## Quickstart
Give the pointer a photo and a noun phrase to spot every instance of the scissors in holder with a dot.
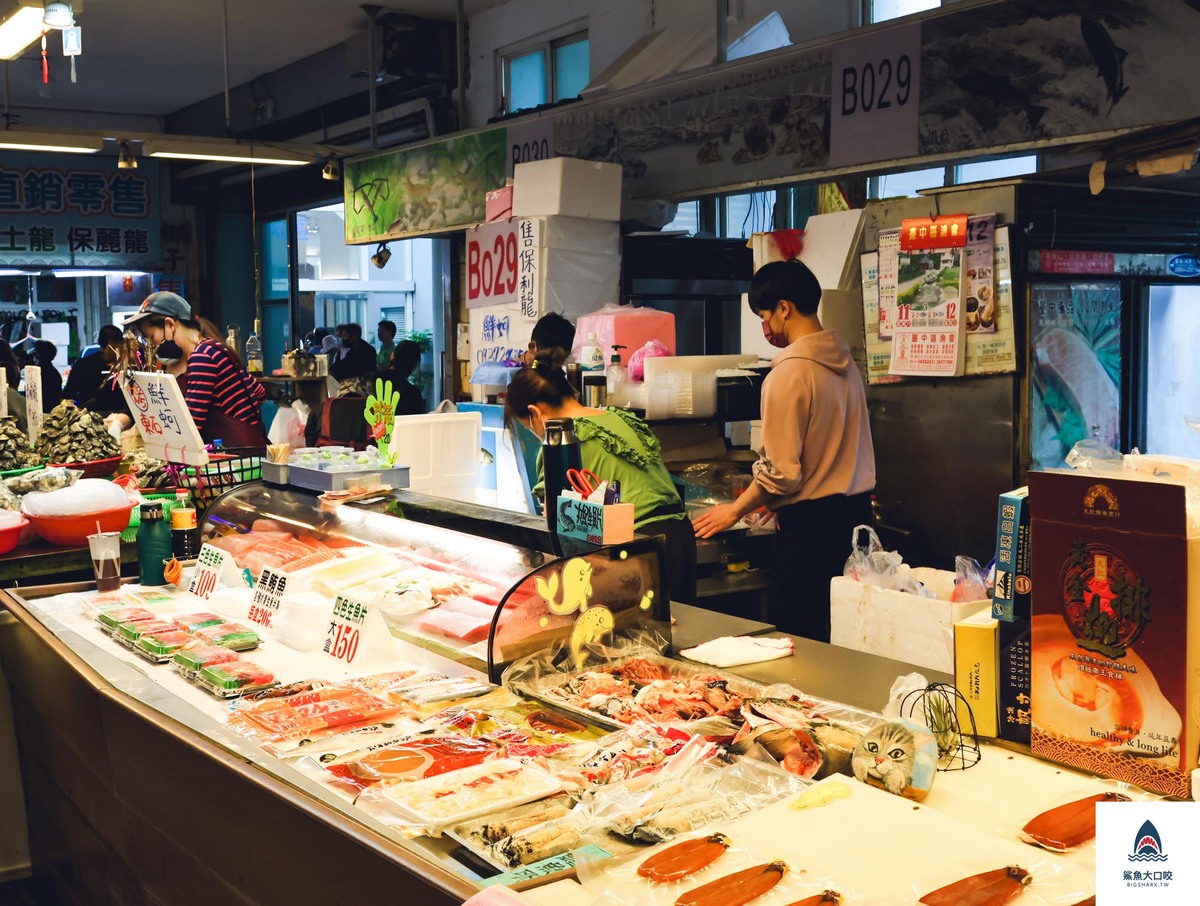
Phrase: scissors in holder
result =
(583, 481)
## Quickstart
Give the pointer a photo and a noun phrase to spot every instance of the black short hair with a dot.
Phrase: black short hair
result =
(389, 326)
(779, 280)
(109, 334)
(44, 351)
(352, 330)
(553, 331)
(405, 357)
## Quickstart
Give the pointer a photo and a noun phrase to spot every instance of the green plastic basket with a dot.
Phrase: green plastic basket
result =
(9, 473)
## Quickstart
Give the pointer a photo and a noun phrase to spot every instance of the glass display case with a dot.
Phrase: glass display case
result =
(475, 585)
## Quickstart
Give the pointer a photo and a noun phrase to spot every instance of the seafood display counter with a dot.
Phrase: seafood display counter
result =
(162, 766)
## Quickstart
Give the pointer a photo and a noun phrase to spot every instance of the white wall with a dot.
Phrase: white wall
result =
(613, 27)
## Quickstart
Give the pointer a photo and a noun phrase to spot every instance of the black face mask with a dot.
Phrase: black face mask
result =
(168, 352)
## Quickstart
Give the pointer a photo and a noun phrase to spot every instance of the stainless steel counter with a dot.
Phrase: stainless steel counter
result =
(825, 671)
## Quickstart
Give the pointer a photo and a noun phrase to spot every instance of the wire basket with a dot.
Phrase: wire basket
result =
(207, 483)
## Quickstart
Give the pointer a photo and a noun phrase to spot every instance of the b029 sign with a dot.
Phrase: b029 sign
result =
(493, 264)
(876, 96)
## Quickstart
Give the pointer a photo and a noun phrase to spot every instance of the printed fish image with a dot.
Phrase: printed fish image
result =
(1001, 92)
(1108, 57)
(486, 458)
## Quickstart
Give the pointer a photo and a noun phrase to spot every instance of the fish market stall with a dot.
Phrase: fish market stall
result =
(197, 743)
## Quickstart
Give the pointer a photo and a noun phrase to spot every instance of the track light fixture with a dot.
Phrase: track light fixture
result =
(126, 159)
(382, 255)
(332, 169)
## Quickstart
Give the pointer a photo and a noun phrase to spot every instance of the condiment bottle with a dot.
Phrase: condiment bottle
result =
(591, 356)
(185, 535)
(560, 454)
(617, 374)
(153, 544)
(254, 352)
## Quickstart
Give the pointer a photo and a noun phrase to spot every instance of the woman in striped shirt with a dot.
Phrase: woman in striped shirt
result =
(225, 401)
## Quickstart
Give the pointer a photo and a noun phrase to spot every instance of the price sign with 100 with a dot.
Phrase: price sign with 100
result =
(210, 566)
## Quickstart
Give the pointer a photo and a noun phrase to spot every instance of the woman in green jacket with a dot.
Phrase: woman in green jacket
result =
(613, 444)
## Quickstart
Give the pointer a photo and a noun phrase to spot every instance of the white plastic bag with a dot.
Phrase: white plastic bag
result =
(446, 406)
(88, 495)
(287, 427)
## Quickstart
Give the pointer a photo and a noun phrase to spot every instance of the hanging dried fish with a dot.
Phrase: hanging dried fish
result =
(991, 888)
(1067, 826)
(677, 862)
(736, 889)
(825, 898)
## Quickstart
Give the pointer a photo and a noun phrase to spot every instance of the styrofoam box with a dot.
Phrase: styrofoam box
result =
(898, 625)
(442, 450)
(565, 185)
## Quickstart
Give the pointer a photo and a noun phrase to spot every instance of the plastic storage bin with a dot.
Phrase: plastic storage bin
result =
(442, 450)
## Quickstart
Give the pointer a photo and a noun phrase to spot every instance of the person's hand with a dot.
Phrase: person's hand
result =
(719, 518)
(120, 419)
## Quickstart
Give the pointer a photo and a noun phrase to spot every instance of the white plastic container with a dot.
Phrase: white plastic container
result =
(565, 185)
(442, 451)
(591, 356)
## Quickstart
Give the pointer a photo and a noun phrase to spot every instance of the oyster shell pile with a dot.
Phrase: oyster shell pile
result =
(71, 434)
(150, 472)
(14, 447)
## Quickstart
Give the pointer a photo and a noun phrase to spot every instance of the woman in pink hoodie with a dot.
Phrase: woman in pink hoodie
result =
(816, 467)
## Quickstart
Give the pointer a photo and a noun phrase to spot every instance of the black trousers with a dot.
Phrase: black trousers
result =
(680, 563)
(814, 543)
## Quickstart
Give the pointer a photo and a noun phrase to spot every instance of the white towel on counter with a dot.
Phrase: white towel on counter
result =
(732, 650)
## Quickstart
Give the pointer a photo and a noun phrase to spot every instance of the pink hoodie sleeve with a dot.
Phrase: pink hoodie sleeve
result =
(784, 416)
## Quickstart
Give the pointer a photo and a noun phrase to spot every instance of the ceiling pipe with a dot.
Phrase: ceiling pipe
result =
(372, 73)
(460, 47)
(722, 31)
(225, 49)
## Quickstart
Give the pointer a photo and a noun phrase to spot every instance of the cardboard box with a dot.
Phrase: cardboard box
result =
(1011, 605)
(1115, 662)
(976, 672)
(564, 185)
(899, 625)
(593, 523)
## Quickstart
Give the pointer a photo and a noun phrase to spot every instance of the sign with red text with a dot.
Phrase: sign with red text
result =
(357, 636)
(162, 418)
(493, 265)
(268, 593)
(928, 339)
(945, 231)
(213, 566)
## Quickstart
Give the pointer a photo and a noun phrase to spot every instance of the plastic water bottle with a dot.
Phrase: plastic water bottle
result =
(153, 544)
(254, 353)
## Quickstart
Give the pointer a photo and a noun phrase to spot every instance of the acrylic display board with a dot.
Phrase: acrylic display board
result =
(162, 418)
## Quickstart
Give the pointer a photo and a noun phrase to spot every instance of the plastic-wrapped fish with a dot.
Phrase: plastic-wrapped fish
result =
(989, 888)
(498, 829)
(683, 859)
(670, 822)
(737, 888)
(525, 849)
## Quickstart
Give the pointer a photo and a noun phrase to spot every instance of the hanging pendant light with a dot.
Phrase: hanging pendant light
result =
(57, 14)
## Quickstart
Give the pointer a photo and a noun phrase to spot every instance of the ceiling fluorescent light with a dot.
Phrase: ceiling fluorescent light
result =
(16, 272)
(20, 28)
(94, 272)
(21, 140)
(231, 152)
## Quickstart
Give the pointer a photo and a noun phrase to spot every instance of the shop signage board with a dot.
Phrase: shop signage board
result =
(779, 116)
(494, 263)
(162, 418)
(422, 190)
(33, 402)
(55, 212)
(530, 140)
(876, 96)
(499, 333)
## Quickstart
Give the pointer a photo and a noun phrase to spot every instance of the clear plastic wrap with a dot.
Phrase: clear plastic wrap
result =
(322, 708)
(44, 480)
(88, 495)
(1068, 822)
(629, 682)
(1091, 455)
(408, 760)
(436, 802)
